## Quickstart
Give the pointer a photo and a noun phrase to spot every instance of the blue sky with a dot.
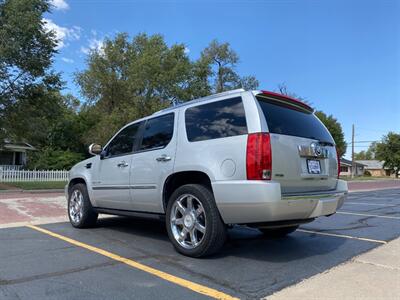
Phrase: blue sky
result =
(342, 56)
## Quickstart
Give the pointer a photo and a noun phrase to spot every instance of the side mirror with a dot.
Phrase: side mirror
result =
(95, 149)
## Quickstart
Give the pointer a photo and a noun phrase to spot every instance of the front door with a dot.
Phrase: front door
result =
(111, 188)
(152, 163)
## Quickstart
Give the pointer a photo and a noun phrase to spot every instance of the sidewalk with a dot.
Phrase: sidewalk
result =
(373, 185)
(373, 275)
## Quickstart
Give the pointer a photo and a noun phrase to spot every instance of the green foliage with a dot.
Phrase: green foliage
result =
(222, 61)
(388, 150)
(37, 185)
(367, 173)
(53, 159)
(366, 155)
(129, 79)
(335, 129)
(26, 51)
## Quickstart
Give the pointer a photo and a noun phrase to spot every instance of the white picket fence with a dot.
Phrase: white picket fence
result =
(33, 175)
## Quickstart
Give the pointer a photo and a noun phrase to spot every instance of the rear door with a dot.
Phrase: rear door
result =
(303, 151)
(153, 162)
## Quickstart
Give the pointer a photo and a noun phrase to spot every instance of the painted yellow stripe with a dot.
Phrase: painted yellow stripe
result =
(342, 236)
(366, 215)
(201, 289)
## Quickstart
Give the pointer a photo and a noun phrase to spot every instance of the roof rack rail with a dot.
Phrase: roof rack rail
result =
(200, 100)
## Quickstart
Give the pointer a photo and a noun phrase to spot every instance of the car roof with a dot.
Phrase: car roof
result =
(199, 100)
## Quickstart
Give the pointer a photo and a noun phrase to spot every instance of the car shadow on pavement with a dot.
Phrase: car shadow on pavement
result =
(242, 241)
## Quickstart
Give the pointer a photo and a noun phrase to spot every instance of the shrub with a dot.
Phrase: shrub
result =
(51, 159)
(367, 173)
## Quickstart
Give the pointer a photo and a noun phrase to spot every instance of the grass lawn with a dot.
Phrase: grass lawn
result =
(36, 185)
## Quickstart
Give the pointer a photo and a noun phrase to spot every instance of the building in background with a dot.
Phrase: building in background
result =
(346, 168)
(375, 167)
(13, 154)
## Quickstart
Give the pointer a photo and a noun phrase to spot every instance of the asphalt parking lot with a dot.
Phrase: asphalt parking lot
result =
(126, 258)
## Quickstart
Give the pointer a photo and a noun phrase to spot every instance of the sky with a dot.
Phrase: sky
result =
(343, 57)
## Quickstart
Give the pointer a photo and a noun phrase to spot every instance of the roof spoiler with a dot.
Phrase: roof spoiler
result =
(286, 99)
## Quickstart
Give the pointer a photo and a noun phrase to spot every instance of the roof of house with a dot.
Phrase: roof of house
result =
(346, 162)
(15, 146)
(372, 164)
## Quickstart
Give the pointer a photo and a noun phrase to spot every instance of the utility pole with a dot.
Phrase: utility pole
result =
(353, 163)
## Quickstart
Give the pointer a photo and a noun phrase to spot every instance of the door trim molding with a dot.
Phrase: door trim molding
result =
(124, 187)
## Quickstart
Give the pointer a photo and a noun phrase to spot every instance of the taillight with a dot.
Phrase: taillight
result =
(259, 156)
(338, 163)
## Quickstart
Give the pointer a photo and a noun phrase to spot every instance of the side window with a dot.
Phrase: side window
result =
(123, 142)
(216, 120)
(158, 132)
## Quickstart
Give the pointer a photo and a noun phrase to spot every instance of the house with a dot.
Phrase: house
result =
(346, 168)
(375, 167)
(13, 154)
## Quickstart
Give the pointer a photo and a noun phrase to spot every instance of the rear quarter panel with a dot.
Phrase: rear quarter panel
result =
(221, 159)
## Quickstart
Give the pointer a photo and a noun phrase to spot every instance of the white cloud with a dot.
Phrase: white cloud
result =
(67, 60)
(187, 50)
(63, 34)
(94, 45)
(59, 4)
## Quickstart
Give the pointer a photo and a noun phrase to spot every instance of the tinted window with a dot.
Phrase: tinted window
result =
(124, 141)
(158, 132)
(283, 119)
(216, 120)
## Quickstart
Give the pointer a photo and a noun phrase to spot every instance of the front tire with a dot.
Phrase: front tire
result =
(278, 232)
(194, 225)
(80, 211)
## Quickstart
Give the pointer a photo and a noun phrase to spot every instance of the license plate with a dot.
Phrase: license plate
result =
(314, 166)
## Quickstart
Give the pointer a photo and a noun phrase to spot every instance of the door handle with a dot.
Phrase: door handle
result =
(122, 164)
(163, 158)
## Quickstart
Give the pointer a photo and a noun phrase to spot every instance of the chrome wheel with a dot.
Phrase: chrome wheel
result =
(76, 206)
(188, 221)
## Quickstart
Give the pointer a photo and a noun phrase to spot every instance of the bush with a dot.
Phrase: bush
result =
(367, 173)
(50, 159)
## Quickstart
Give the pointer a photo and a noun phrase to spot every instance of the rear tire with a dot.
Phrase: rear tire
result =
(278, 232)
(193, 222)
(80, 211)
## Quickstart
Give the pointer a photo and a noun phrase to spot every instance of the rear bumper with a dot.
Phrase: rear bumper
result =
(245, 202)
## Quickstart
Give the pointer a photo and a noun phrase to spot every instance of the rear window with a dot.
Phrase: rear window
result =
(216, 120)
(283, 119)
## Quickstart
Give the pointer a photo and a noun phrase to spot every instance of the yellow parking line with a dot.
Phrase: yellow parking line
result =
(342, 236)
(198, 288)
(366, 215)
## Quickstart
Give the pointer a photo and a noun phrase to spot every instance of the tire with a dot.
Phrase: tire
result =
(80, 211)
(201, 220)
(278, 232)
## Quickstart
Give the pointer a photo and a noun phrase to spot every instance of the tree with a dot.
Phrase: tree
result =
(223, 60)
(335, 129)
(367, 155)
(26, 51)
(388, 150)
(129, 79)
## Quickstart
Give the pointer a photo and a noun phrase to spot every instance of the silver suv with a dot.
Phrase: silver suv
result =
(255, 158)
